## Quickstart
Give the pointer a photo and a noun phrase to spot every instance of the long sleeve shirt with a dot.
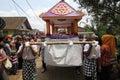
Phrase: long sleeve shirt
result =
(27, 52)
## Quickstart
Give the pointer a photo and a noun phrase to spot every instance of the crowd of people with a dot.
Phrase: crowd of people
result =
(96, 57)
(21, 54)
(97, 61)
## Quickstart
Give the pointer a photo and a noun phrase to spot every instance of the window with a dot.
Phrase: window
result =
(23, 26)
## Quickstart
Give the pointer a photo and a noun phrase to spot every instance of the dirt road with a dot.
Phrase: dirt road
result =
(55, 73)
(59, 73)
(52, 73)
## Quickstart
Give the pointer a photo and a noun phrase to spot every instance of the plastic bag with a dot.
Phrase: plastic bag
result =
(7, 64)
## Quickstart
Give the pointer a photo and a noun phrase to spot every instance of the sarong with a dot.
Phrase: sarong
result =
(29, 68)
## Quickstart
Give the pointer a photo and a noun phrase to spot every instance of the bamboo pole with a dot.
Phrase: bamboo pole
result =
(61, 42)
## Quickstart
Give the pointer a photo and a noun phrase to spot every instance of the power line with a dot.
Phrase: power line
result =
(25, 12)
(20, 8)
(16, 9)
(31, 8)
(9, 2)
(33, 11)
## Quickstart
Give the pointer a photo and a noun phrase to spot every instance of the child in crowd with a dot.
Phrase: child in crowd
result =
(14, 59)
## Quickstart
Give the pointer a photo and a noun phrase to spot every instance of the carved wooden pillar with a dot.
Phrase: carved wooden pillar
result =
(48, 26)
(75, 26)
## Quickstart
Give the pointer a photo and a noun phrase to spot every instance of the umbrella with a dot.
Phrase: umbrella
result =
(8, 36)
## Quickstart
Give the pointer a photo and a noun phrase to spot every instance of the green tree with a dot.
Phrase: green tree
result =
(106, 14)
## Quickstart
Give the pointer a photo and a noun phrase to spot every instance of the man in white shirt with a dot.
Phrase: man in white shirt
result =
(28, 53)
(91, 57)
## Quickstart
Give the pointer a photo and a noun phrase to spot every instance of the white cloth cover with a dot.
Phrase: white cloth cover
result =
(63, 54)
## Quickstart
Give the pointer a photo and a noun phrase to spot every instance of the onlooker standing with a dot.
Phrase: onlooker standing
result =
(7, 46)
(7, 49)
(14, 61)
(3, 57)
(107, 53)
(17, 45)
(14, 58)
(28, 53)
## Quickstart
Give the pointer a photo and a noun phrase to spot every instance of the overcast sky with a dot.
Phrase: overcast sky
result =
(32, 12)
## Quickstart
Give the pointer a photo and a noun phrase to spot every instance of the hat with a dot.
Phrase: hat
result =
(9, 36)
(18, 37)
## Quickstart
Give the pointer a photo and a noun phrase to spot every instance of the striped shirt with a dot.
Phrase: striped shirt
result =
(14, 59)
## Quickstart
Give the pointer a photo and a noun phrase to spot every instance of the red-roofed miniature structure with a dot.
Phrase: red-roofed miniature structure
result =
(62, 17)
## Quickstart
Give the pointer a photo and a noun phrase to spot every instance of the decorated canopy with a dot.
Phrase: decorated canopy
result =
(63, 18)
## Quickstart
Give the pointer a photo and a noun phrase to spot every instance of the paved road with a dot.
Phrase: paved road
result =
(52, 73)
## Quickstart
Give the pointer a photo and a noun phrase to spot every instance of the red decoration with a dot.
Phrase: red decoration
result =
(61, 9)
(8, 36)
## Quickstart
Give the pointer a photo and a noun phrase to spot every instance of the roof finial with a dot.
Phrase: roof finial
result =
(62, 0)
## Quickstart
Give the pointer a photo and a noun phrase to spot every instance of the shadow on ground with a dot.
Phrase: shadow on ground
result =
(59, 73)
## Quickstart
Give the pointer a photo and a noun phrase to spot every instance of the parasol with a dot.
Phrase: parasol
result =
(8, 36)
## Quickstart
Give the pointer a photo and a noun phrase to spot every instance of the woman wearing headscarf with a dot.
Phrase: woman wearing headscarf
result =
(107, 53)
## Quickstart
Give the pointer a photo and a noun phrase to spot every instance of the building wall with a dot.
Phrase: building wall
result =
(8, 32)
